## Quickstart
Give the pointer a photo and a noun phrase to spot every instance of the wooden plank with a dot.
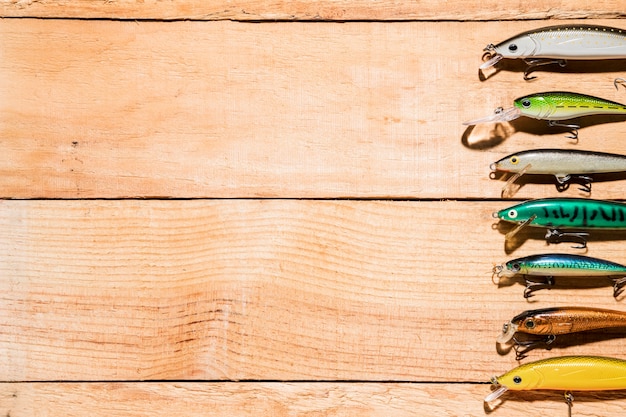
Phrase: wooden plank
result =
(287, 399)
(109, 109)
(265, 290)
(254, 10)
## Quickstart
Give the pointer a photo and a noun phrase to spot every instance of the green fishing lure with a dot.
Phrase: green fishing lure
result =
(554, 106)
(539, 270)
(558, 214)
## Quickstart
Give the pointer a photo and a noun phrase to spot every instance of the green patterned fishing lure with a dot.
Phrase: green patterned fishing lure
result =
(566, 213)
(554, 106)
(539, 270)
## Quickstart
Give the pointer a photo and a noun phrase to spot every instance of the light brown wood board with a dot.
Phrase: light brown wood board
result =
(343, 10)
(280, 399)
(267, 290)
(117, 301)
(104, 109)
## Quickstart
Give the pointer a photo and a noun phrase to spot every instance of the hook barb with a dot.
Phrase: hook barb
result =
(573, 129)
(523, 347)
(556, 236)
(533, 64)
(532, 286)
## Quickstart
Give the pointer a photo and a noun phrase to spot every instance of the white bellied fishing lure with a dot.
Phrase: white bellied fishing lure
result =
(566, 165)
(557, 44)
(554, 106)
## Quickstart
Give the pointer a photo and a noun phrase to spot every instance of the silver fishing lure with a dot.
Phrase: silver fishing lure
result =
(557, 44)
(566, 165)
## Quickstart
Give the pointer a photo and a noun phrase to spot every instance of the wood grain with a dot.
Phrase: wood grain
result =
(264, 289)
(321, 307)
(286, 399)
(342, 10)
(109, 109)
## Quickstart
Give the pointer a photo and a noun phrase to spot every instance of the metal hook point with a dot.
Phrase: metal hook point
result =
(535, 63)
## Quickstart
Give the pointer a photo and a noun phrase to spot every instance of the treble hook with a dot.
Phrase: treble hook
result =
(574, 129)
(532, 286)
(618, 286)
(584, 181)
(523, 347)
(621, 81)
(556, 236)
(534, 63)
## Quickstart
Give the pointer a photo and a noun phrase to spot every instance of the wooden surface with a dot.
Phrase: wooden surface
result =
(329, 10)
(220, 217)
(363, 110)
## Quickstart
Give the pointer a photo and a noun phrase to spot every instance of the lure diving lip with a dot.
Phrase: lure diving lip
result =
(554, 106)
(557, 44)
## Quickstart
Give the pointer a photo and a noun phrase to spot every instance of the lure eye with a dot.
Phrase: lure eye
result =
(514, 160)
(517, 379)
(512, 47)
(530, 324)
(526, 103)
(512, 214)
(515, 267)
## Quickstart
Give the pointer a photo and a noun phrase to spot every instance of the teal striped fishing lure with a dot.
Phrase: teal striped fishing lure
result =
(557, 44)
(558, 214)
(547, 266)
(554, 106)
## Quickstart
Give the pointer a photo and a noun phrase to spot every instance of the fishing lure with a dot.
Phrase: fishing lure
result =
(551, 322)
(554, 106)
(565, 213)
(566, 166)
(552, 265)
(566, 373)
(557, 44)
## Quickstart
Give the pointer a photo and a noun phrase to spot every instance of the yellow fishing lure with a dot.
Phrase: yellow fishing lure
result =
(566, 373)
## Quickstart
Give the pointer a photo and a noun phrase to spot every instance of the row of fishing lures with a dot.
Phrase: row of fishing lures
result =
(565, 219)
(540, 328)
(557, 45)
